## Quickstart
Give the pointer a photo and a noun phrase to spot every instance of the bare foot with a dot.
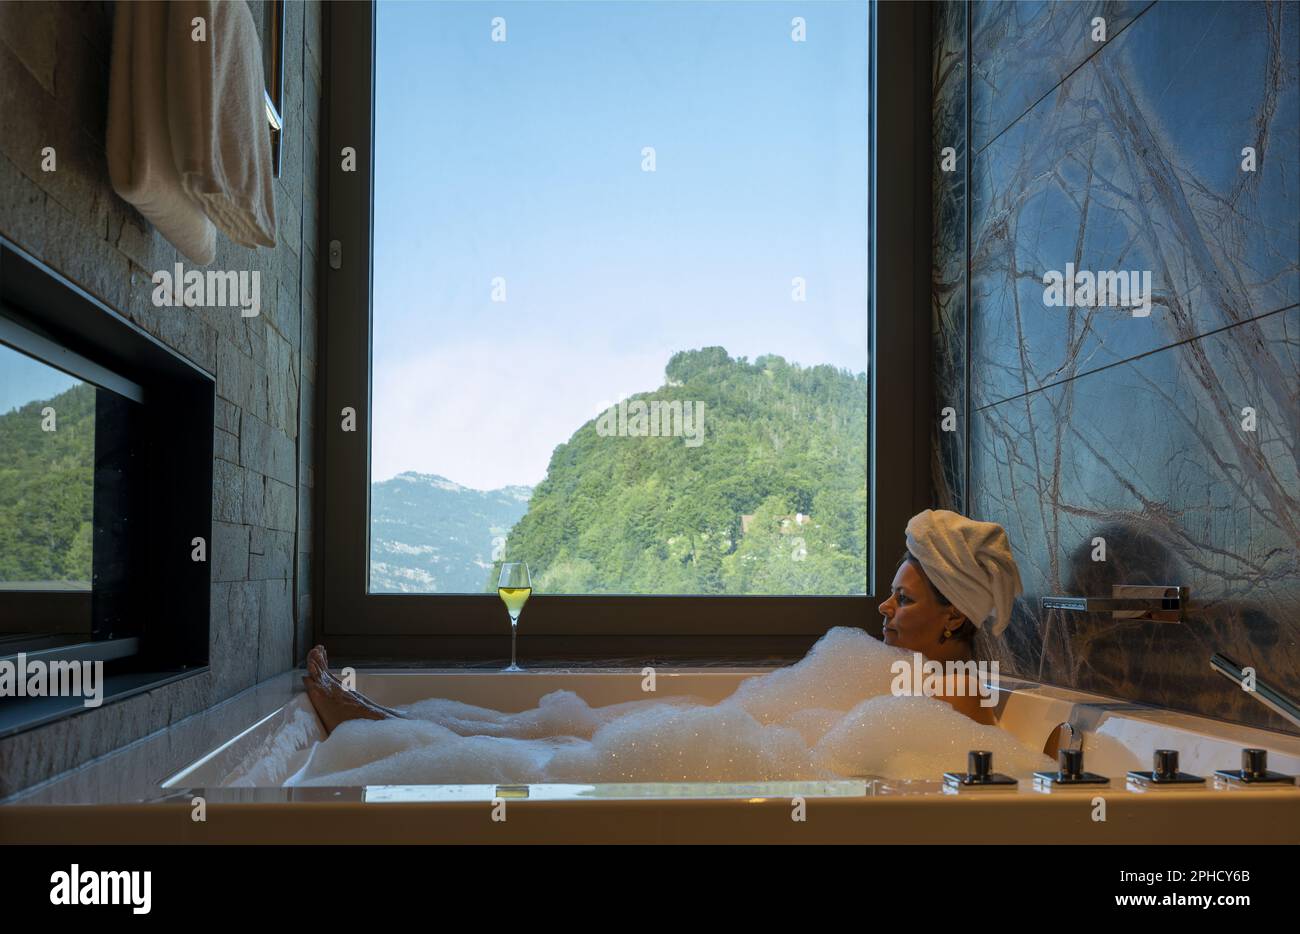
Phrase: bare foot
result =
(322, 661)
(335, 704)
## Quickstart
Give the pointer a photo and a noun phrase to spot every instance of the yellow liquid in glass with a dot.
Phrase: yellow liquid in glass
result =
(514, 598)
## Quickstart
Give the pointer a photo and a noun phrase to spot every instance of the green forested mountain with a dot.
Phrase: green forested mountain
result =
(47, 481)
(771, 501)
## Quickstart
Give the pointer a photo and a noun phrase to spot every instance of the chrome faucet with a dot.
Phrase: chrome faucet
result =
(1063, 736)
(1266, 694)
(1157, 603)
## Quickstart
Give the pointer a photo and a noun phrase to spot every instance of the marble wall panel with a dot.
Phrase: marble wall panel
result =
(1133, 164)
(1159, 458)
(1021, 50)
(1092, 423)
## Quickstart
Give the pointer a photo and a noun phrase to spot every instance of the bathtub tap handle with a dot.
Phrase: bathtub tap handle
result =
(1254, 762)
(1070, 761)
(1166, 763)
(1165, 771)
(1070, 771)
(979, 773)
(1254, 770)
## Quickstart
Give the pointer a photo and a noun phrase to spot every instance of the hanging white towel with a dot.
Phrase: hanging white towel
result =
(141, 166)
(217, 117)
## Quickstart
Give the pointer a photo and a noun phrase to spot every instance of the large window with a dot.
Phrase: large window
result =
(602, 297)
(620, 297)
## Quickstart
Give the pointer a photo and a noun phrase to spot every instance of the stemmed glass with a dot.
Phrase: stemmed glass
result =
(514, 587)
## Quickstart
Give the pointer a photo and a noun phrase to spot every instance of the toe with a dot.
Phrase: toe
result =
(316, 664)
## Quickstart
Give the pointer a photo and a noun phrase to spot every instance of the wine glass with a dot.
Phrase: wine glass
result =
(514, 587)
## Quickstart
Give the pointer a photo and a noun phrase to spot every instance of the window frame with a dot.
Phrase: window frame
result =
(359, 624)
(160, 633)
(53, 611)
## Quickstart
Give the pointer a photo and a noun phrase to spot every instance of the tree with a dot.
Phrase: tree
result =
(620, 514)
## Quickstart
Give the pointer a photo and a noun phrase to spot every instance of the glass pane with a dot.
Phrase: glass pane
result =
(620, 297)
(47, 476)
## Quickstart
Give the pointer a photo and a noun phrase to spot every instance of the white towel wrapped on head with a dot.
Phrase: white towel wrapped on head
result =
(969, 562)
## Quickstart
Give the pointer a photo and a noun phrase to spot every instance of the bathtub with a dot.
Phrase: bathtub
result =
(235, 756)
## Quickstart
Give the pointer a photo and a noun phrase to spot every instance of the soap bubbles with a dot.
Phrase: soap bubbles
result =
(829, 716)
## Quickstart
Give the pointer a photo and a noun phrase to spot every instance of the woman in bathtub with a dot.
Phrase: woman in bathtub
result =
(956, 575)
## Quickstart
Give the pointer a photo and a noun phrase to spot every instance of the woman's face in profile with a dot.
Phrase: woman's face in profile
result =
(914, 618)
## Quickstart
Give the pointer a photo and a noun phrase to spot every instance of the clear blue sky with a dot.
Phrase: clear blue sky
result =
(23, 380)
(523, 160)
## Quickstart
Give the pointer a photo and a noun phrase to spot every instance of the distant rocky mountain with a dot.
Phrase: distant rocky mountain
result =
(430, 535)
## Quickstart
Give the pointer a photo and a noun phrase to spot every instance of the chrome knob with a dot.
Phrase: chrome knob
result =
(979, 764)
(1254, 762)
(1166, 763)
(1070, 762)
(1254, 771)
(1165, 771)
(1069, 772)
(979, 773)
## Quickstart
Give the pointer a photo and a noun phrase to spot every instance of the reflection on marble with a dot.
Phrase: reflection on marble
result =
(1020, 51)
(1156, 458)
(1133, 163)
(1092, 423)
(948, 271)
